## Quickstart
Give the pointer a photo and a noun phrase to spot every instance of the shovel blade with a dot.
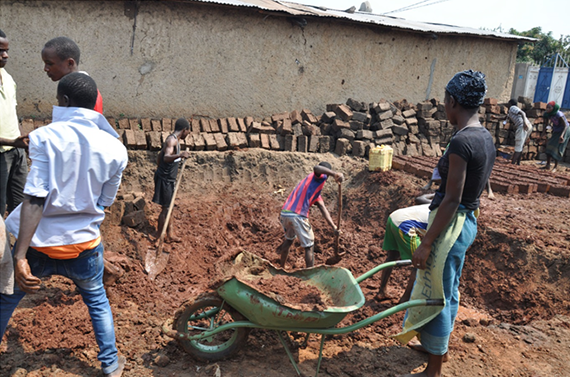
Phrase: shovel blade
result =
(155, 263)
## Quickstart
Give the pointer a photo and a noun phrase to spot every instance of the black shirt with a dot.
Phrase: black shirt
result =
(475, 146)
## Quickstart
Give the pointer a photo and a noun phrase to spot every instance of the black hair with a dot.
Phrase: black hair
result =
(79, 88)
(65, 48)
(325, 164)
(2, 34)
(181, 124)
(513, 102)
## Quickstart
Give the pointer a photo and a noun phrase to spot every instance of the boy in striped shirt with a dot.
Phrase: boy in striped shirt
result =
(295, 211)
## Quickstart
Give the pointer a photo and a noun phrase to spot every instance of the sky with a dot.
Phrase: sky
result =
(522, 15)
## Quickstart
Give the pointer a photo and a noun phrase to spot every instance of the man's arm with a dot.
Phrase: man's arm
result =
(320, 170)
(169, 150)
(31, 214)
(19, 142)
(326, 214)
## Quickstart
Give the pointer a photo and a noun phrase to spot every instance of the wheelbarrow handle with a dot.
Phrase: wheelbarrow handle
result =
(399, 263)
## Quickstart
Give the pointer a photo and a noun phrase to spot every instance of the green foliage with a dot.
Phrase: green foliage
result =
(546, 45)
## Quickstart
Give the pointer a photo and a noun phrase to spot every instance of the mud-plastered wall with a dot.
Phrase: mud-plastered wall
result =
(159, 58)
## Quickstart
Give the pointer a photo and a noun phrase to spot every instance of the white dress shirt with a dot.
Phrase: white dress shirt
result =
(77, 164)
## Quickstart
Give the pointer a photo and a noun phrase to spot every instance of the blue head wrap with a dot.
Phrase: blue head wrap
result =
(468, 88)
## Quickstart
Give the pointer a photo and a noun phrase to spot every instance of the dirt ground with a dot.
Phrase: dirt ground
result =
(515, 313)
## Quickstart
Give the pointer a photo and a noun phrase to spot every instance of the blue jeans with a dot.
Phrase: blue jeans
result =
(86, 271)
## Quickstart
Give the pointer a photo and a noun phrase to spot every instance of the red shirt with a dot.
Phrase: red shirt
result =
(307, 193)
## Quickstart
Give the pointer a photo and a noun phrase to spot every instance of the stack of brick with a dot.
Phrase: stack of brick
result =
(352, 128)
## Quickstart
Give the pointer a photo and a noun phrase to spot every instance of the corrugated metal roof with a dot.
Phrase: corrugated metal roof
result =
(300, 10)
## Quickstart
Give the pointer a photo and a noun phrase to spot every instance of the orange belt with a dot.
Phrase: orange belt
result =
(68, 251)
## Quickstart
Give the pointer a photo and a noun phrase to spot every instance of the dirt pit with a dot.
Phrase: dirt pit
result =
(515, 289)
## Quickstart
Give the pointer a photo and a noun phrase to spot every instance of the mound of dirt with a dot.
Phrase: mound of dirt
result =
(514, 289)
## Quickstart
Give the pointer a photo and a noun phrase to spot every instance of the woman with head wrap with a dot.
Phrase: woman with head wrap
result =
(465, 169)
(560, 134)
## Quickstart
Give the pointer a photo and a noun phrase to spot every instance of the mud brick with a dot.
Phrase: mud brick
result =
(380, 134)
(503, 187)
(155, 125)
(27, 126)
(365, 134)
(313, 144)
(195, 126)
(233, 140)
(134, 124)
(408, 113)
(220, 139)
(310, 129)
(214, 126)
(38, 123)
(494, 109)
(354, 105)
(381, 107)
(129, 139)
(264, 138)
(254, 140)
(295, 117)
(400, 130)
(210, 142)
(346, 133)
(302, 144)
(398, 119)
(424, 172)
(120, 132)
(134, 219)
(342, 145)
(248, 121)
(280, 116)
(140, 139)
(326, 144)
(412, 121)
(413, 150)
(308, 116)
(273, 142)
(490, 101)
(189, 142)
(204, 125)
(199, 142)
(124, 124)
(339, 124)
(411, 168)
(242, 137)
(359, 148)
(232, 125)
(328, 117)
(560, 190)
(398, 164)
(386, 124)
(139, 203)
(385, 115)
(163, 136)
(153, 140)
(539, 105)
(356, 125)
(145, 123)
(290, 143)
(344, 113)
(361, 117)
(223, 124)
(425, 105)
(286, 127)
(167, 125)
(297, 129)
(242, 124)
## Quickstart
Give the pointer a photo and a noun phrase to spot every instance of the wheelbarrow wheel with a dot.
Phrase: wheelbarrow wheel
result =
(208, 312)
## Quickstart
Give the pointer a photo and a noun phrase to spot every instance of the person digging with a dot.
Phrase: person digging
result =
(295, 212)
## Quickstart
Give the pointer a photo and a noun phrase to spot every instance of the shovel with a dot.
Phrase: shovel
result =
(155, 262)
(337, 256)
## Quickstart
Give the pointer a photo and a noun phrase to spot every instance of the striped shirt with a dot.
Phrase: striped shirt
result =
(517, 116)
(307, 193)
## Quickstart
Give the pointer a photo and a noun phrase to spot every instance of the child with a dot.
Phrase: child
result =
(61, 57)
(295, 211)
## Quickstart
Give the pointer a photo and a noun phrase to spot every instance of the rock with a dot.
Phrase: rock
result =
(470, 322)
(469, 338)
(162, 360)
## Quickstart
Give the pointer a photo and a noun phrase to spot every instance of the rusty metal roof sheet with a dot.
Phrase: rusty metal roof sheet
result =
(301, 10)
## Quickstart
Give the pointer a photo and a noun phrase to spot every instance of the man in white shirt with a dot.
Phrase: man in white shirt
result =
(77, 164)
(13, 163)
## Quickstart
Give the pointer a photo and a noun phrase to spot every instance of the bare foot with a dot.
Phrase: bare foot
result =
(553, 170)
(418, 347)
(491, 196)
(119, 371)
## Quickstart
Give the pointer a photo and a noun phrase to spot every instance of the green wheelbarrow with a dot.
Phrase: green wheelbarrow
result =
(216, 324)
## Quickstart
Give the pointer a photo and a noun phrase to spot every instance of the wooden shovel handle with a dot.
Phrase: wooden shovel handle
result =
(337, 236)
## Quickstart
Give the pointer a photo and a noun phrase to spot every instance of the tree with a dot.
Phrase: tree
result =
(545, 46)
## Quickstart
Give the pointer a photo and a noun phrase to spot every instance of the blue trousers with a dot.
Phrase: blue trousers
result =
(86, 271)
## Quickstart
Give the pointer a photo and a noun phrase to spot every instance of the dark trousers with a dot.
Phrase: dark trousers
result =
(13, 174)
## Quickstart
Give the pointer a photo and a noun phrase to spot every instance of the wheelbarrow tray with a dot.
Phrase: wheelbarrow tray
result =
(336, 283)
